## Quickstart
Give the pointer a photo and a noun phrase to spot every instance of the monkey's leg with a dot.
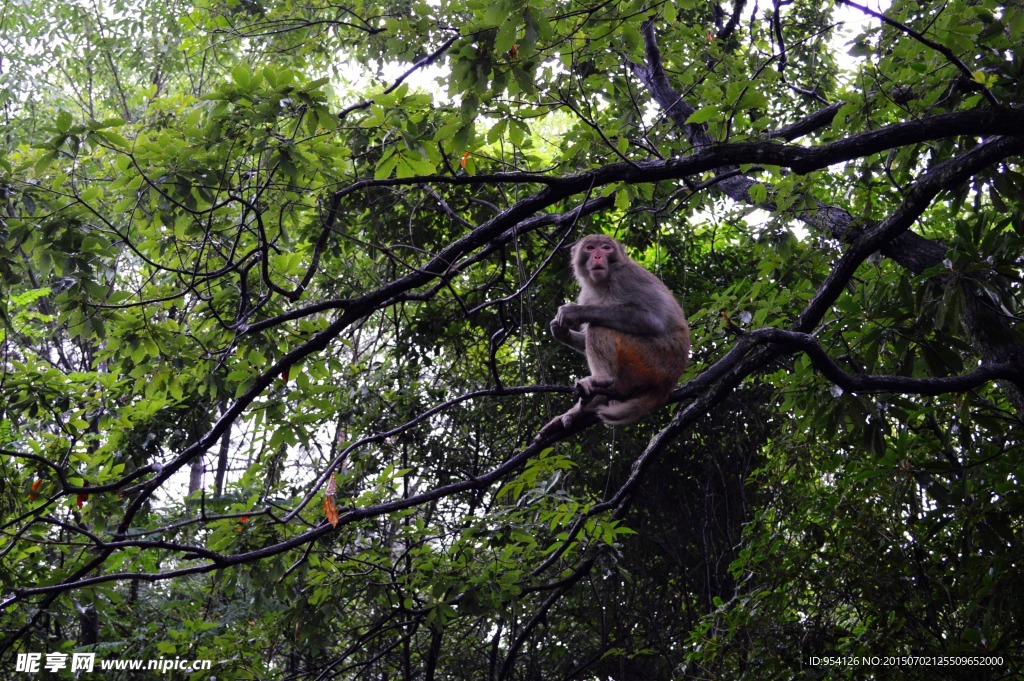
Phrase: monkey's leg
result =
(560, 423)
(602, 359)
(583, 411)
(601, 353)
(625, 412)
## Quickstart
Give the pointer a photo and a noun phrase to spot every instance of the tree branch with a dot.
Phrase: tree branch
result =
(938, 47)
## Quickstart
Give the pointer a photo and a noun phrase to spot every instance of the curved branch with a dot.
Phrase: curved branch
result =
(864, 383)
(919, 195)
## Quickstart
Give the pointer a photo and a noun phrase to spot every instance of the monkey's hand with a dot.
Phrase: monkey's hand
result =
(567, 316)
(576, 340)
(561, 332)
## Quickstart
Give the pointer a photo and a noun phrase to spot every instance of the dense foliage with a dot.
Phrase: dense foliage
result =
(275, 279)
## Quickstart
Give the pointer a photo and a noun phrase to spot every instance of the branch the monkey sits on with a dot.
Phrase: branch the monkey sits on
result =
(631, 329)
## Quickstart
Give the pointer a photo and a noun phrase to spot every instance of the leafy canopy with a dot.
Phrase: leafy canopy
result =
(274, 285)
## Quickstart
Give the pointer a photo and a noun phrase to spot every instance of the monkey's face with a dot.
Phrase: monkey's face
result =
(596, 256)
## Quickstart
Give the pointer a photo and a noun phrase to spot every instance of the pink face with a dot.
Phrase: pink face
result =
(598, 255)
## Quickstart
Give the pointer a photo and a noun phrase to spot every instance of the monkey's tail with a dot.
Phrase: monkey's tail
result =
(617, 413)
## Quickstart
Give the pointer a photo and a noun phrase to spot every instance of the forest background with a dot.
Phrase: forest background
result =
(275, 283)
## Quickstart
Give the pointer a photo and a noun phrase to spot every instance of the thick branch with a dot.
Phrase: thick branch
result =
(808, 124)
(734, 19)
(712, 156)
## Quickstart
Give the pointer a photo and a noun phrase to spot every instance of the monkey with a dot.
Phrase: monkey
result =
(631, 330)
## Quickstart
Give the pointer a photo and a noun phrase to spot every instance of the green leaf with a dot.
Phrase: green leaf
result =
(419, 164)
(495, 13)
(114, 138)
(506, 36)
(43, 163)
(404, 169)
(497, 131)
(861, 49)
(518, 132)
(63, 122)
(631, 36)
(752, 99)
(386, 165)
(622, 199)
(703, 115)
(242, 75)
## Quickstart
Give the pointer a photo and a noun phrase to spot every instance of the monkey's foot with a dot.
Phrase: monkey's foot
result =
(554, 426)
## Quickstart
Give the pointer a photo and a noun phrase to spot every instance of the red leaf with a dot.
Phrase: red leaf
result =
(330, 510)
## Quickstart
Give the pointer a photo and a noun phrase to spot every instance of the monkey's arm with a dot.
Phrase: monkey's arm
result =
(632, 319)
